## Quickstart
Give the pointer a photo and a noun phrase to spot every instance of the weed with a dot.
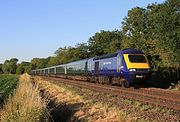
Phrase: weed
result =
(146, 107)
(122, 116)
(175, 87)
(25, 105)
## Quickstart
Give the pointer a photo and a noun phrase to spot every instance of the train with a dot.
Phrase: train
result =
(125, 68)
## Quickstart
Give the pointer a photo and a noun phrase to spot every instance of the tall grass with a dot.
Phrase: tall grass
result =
(25, 105)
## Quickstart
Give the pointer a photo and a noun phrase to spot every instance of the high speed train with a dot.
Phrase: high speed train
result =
(125, 68)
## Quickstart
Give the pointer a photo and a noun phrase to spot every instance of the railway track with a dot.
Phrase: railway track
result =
(157, 97)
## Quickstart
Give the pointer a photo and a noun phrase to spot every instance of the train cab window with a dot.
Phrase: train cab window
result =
(137, 58)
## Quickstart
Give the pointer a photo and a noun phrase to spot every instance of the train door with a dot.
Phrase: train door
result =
(96, 68)
(120, 63)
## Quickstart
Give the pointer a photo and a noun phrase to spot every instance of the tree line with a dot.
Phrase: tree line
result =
(154, 29)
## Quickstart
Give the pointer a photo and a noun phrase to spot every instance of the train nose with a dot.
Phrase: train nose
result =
(139, 75)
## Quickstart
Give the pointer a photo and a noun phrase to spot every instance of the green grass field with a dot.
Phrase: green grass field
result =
(7, 84)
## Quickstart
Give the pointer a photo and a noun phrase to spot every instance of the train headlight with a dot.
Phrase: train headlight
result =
(132, 70)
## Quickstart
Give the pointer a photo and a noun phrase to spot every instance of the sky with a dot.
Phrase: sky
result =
(37, 28)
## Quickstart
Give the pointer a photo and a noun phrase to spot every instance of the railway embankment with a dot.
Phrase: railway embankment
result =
(72, 103)
(66, 105)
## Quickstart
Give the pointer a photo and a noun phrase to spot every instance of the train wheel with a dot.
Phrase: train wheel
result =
(136, 86)
(108, 80)
(125, 84)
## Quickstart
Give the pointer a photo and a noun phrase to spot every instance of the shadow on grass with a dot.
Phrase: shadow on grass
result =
(63, 112)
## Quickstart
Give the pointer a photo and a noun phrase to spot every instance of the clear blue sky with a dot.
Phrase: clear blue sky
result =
(36, 28)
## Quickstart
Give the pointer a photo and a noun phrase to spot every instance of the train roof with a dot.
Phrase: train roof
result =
(106, 56)
(130, 51)
(82, 60)
(61, 65)
(124, 51)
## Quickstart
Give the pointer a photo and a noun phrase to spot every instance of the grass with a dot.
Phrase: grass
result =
(25, 105)
(7, 85)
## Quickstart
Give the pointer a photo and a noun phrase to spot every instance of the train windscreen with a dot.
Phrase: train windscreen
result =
(137, 59)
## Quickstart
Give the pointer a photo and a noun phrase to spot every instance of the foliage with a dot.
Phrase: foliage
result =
(68, 54)
(24, 67)
(1, 71)
(104, 42)
(10, 66)
(38, 63)
(7, 84)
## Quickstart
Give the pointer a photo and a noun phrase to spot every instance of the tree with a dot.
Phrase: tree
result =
(38, 63)
(104, 42)
(53, 61)
(24, 67)
(135, 27)
(10, 66)
(81, 51)
(1, 71)
(13, 65)
(163, 22)
(5, 67)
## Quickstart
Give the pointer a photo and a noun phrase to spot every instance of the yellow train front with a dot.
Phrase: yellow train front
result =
(135, 67)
